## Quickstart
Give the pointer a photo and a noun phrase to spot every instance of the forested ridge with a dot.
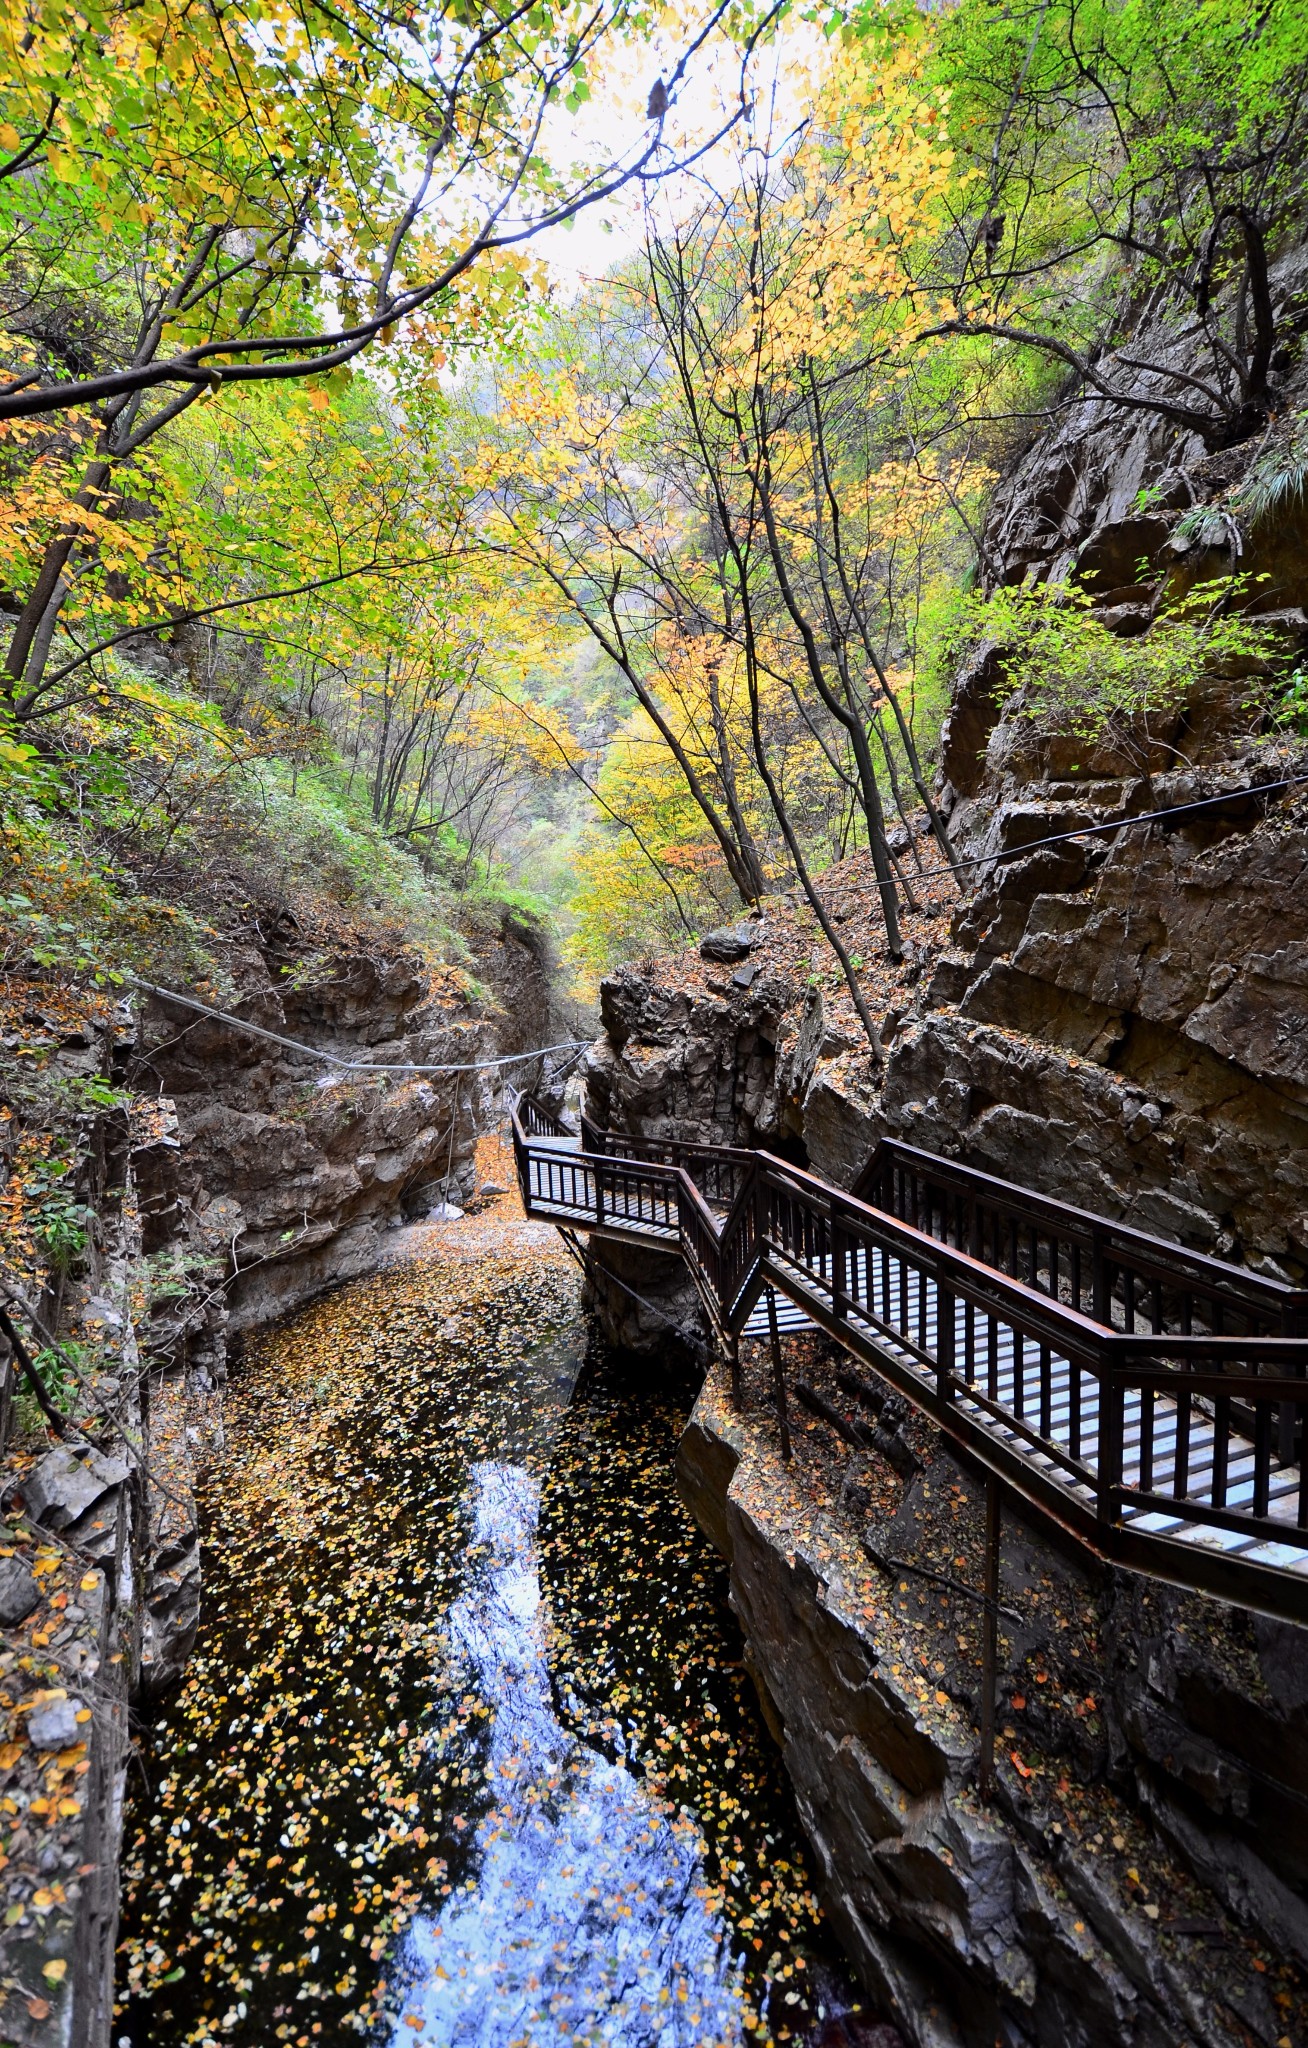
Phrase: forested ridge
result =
(489, 493)
(345, 552)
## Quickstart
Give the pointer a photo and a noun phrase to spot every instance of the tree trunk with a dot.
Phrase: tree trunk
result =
(40, 654)
(749, 854)
(52, 568)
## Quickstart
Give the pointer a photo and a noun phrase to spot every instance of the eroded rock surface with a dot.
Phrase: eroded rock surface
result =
(293, 1171)
(1122, 1024)
(1136, 1878)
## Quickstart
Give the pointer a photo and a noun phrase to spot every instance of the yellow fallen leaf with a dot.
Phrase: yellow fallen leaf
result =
(55, 1970)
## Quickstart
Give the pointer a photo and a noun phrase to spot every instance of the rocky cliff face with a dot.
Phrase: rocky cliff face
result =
(99, 1586)
(230, 1181)
(1097, 492)
(1122, 1023)
(291, 1170)
(1138, 1876)
(515, 957)
(1121, 1019)
(765, 1051)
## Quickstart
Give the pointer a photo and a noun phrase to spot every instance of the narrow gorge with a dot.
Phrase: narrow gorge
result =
(654, 1025)
(1116, 1019)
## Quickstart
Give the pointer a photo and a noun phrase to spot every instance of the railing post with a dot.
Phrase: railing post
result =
(1294, 1323)
(778, 1374)
(990, 1640)
(1109, 1470)
(599, 1194)
(839, 1269)
(1101, 1306)
(946, 1309)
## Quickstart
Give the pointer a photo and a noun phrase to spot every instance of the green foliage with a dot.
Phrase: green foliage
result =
(70, 911)
(1278, 478)
(1292, 705)
(348, 151)
(173, 1272)
(57, 1220)
(58, 1376)
(1275, 483)
(305, 840)
(88, 1094)
(1076, 676)
(1113, 157)
(113, 851)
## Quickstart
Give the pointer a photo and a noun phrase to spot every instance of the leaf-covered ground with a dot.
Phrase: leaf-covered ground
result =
(320, 1808)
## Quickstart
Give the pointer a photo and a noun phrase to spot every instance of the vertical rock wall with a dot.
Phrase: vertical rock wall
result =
(1138, 1878)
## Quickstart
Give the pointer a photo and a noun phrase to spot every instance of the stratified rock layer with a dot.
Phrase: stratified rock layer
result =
(1134, 1880)
(1125, 1025)
(1121, 1023)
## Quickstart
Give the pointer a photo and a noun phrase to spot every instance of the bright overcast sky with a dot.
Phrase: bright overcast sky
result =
(608, 124)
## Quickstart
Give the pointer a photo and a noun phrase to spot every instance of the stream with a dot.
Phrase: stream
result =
(466, 1755)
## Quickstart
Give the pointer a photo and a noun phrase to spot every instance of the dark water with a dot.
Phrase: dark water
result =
(466, 1754)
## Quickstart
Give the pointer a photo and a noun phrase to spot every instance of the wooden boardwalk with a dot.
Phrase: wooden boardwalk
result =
(1151, 1400)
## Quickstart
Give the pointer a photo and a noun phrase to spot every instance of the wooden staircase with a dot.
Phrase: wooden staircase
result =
(1148, 1399)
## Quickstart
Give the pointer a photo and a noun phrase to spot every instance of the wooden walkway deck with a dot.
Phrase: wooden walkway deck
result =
(1151, 1400)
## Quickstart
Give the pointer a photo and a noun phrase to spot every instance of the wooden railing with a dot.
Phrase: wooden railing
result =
(536, 1121)
(974, 1321)
(718, 1171)
(1114, 1273)
(1089, 1417)
(596, 1192)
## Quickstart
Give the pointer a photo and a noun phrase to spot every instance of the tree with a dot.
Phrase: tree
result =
(275, 513)
(211, 198)
(562, 499)
(1117, 159)
(714, 470)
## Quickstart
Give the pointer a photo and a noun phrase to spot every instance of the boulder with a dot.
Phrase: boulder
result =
(19, 1592)
(727, 943)
(56, 1726)
(65, 1485)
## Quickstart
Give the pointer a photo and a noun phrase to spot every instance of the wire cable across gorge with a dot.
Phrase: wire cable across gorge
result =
(313, 1052)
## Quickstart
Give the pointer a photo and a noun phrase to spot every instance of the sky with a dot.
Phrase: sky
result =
(615, 118)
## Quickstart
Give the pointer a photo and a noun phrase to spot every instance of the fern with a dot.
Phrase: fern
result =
(1276, 480)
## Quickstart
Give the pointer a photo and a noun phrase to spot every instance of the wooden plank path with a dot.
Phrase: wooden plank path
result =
(1149, 1399)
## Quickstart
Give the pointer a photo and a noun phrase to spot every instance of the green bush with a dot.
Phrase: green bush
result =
(1076, 676)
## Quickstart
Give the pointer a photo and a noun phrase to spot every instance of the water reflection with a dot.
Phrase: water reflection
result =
(585, 1919)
